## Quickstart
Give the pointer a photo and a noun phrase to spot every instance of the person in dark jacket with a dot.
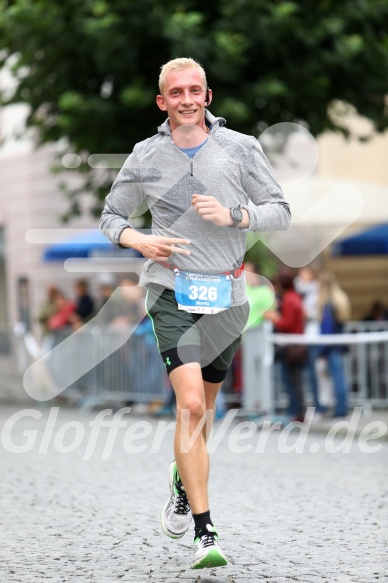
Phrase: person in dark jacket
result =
(84, 303)
(289, 319)
(335, 310)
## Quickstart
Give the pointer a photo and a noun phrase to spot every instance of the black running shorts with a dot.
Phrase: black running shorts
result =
(209, 339)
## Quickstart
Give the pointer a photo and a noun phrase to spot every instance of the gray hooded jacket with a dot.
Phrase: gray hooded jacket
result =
(230, 166)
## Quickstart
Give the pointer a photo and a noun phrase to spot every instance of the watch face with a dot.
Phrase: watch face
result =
(237, 214)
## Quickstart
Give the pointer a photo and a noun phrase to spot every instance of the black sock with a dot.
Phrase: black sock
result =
(200, 521)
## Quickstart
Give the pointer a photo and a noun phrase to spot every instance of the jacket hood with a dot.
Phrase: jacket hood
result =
(214, 121)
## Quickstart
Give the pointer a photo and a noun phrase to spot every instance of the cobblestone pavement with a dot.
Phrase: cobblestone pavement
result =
(311, 517)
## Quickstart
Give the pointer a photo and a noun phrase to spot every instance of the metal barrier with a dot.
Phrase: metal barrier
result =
(366, 365)
(109, 364)
(365, 362)
(99, 364)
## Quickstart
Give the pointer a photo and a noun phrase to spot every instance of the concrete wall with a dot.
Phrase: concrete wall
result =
(30, 199)
(352, 159)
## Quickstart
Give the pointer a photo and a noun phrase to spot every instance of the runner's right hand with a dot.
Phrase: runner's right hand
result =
(154, 247)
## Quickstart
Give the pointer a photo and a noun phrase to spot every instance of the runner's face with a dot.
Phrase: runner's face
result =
(183, 98)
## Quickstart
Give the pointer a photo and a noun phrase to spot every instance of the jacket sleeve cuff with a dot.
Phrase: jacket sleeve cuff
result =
(251, 227)
(114, 233)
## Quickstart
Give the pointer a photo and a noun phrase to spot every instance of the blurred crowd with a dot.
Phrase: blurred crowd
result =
(311, 302)
(126, 305)
(307, 301)
(129, 361)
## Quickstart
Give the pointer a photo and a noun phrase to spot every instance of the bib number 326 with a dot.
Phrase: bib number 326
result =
(202, 293)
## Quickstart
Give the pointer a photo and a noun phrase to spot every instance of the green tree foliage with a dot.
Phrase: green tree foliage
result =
(88, 70)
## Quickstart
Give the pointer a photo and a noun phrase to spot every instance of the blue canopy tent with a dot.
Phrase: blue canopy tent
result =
(91, 244)
(373, 241)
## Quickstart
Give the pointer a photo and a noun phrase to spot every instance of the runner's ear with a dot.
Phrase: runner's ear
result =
(160, 101)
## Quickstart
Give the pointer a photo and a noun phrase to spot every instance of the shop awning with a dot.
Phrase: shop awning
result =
(373, 241)
(91, 244)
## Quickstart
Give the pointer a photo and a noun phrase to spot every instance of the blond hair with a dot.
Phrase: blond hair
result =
(330, 291)
(179, 65)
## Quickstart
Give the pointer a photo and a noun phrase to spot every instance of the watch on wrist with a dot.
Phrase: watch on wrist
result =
(236, 216)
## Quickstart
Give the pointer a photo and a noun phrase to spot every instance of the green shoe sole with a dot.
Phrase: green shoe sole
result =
(212, 559)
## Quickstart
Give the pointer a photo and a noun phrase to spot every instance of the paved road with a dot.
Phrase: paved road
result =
(310, 517)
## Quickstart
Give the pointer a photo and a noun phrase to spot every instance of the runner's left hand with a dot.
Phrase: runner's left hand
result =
(210, 209)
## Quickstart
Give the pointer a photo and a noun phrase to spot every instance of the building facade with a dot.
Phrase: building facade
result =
(30, 198)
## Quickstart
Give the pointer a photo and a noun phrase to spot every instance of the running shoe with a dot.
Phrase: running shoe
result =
(207, 552)
(176, 514)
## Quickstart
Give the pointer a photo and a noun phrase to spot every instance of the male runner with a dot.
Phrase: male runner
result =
(205, 186)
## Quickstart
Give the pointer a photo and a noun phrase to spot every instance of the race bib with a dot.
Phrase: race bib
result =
(203, 293)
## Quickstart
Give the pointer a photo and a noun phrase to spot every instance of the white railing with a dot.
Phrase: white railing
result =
(99, 364)
(365, 359)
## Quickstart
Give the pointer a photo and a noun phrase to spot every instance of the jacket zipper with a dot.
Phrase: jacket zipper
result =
(191, 166)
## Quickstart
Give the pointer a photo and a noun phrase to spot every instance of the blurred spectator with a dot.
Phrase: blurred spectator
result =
(131, 300)
(48, 308)
(106, 290)
(110, 302)
(64, 314)
(146, 372)
(289, 319)
(377, 312)
(260, 294)
(334, 309)
(84, 303)
(307, 285)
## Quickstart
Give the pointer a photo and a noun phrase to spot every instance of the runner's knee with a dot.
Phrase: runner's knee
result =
(195, 406)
